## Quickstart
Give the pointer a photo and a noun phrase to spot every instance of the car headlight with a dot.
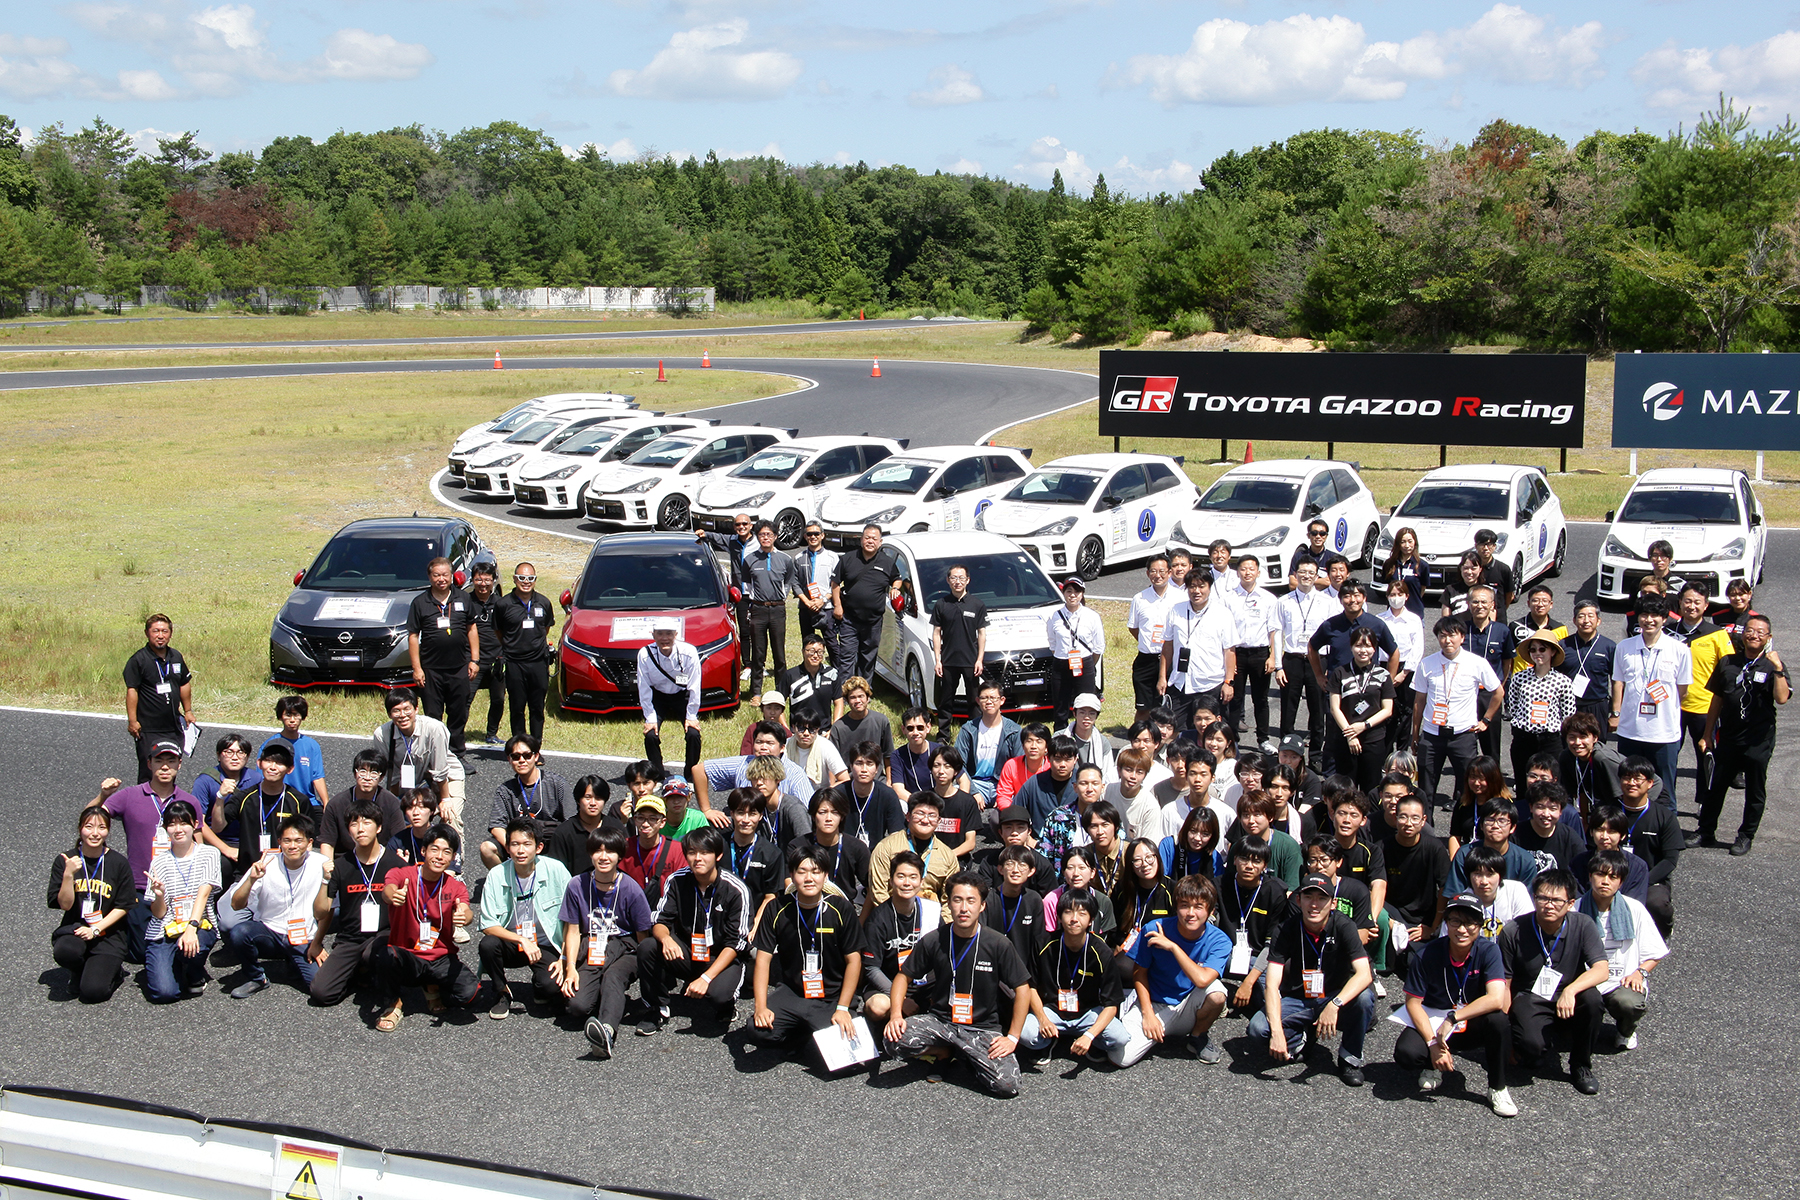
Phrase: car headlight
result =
(756, 501)
(565, 473)
(508, 461)
(638, 488)
(886, 515)
(1385, 541)
(1499, 542)
(712, 648)
(1062, 526)
(1274, 537)
(1614, 548)
(1732, 549)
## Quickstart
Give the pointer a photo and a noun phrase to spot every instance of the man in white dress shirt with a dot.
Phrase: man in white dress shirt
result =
(1149, 615)
(668, 673)
(1446, 714)
(1198, 657)
(1259, 636)
(1299, 614)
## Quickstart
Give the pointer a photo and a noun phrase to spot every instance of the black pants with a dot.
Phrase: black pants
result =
(964, 675)
(1533, 1017)
(1301, 685)
(337, 974)
(492, 680)
(1251, 682)
(397, 968)
(447, 700)
(1489, 738)
(1145, 670)
(859, 643)
(1661, 903)
(821, 623)
(1601, 711)
(1365, 768)
(768, 638)
(1400, 724)
(527, 683)
(1065, 686)
(497, 954)
(1434, 749)
(1693, 724)
(95, 968)
(1727, 763)
(672, 706)
(1491, 1033)
(656, 973)
(795, 1015)
(600, 991)
(1525, 745)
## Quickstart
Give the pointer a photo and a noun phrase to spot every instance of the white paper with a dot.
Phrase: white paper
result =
(838, 1053)
(1401, 1017)
(353, 608)
(626, 629)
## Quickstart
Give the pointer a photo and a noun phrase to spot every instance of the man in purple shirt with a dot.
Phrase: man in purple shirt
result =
(140, 808)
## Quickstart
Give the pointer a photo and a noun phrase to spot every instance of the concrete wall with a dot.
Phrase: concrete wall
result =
(592, 299)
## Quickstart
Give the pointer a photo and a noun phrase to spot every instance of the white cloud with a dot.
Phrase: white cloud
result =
(1514, 46)
(34, 47)
(963, 166)
(35, 77)
(1047, 155)
(144, 140)
(698, 64)
(623, 150)
(1764, 76)
(359, 54)
(951, 85)
(145, 85)
(1176, 176)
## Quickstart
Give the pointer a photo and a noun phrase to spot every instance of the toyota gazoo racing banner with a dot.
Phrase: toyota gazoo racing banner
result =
(1706, 401)
(1417, 399)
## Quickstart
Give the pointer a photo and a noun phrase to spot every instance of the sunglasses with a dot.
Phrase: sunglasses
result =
(522, 757)
(524, 578)
(815, 533)
(917, 728)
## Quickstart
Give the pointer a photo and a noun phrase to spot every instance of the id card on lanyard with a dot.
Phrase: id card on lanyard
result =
(962, 1004)
(1440, 706)
(700, 941)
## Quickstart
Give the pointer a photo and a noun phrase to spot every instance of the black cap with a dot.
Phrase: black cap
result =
(1314, 883)
(1014, 812)
(1293, 743)
(158, 749)
(1468, 900)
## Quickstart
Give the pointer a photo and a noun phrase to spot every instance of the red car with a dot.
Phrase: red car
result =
(629, 580)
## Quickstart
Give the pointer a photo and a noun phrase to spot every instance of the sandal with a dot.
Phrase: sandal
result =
(390, 1020)
(434, 999)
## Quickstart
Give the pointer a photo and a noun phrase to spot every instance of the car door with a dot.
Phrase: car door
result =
(1168, 500)
(957, 510)
(1002, 472)
(892, 655)
(1122, 520)
(1321, 503)
(1547, 521)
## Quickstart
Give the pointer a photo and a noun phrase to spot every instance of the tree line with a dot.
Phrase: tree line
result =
(1687, 240)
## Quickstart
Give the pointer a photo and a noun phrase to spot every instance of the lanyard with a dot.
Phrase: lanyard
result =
(1550, 950)
(425, 899)
(1743, 683)
(1075, 637)
(956, 960)
(1654, 659)
(1318, 945)
(92, 875)
(264, 812)
(930, 845)
(807, 937)
(528, 797)
(293, 887)
(740, 855)
(703, 921)
(772, 821)
(1631, 833)
(1012, 917)
(1074, 975)
(1462, 981)
(914, 782)
(594, 894)
(1581, 662)
(1106, 881)
(1244, 909)
(368, 878)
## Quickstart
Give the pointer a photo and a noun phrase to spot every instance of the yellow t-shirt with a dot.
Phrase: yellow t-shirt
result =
(1706, 653)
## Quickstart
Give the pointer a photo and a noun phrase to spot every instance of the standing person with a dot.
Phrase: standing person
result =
(700, 932)
(1736, 610)
(159, 693)
(961, 968)
(668, 673)
(1258, 641)
(1556, 962)
(862, 586)
(484, 598)
(424, 901)
(1652, 674)
(179, 896)
(770, 576)
(1588, 662)
(1361, 695)
(283, 896)
(815, 566)
(444, 647)
(1330, 646)
(1318, 981)
(1408, 631)
(91, 885)
(1746, 687)
(988, 742)
(1148, 617)
(1458, 585)
(1313, 552)
(1706, 644)
(358, 917)
(1198, 659)
(1456, 999)
(812, 687)
(605, 918)
(1077, 640)
(1489, 637)
(521, 918)
(810, 949)
(1494, 573)
(1405, 566)
(1538, 700)
(524, 620)
(959, 624)
(1446, 719)
(1301, 612)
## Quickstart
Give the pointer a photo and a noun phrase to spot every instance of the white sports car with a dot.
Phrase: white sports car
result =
(1090, 511)
(1710, 516)
(1263, 508)
(932, 488)
(555, 479)
(521, 415)
(1448, 506)
(654, 488)
(788, 482)
(490, 470)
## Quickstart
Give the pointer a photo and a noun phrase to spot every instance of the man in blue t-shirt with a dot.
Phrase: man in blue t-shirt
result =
(1177, 965)
(1456, 1000)
(308, 774)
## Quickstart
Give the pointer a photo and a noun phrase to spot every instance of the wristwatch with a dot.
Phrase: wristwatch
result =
(1336, 1001)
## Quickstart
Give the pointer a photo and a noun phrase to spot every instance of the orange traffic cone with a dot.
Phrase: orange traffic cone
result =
(1249, 452)
(705, 359)
(875, 372)
(860, 316)
(661, 375)
(497, 365)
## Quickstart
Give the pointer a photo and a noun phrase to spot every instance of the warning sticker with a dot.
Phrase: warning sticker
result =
(304, 1171)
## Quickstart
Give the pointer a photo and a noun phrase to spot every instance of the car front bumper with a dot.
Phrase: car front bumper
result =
(551, 495)
(1619, 578)
(322, 656)
(604, 680)
(496, 482)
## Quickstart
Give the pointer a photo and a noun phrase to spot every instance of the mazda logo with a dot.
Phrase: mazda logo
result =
(344, 638)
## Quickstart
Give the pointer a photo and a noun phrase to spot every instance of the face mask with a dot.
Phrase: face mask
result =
(1396, 602)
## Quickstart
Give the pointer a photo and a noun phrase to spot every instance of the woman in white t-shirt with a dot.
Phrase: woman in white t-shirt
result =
(180, 887)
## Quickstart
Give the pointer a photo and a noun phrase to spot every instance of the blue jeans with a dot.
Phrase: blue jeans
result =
(252, 939)
(1664, 755)
(1032, 1037)
(1298, 1015)
(169, 972)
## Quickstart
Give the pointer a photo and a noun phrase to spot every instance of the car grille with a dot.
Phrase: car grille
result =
(456, 467)
(476, 479)
(1706, 579)
(606, 510)
(531, 495)
(363, 648)
(617, 667)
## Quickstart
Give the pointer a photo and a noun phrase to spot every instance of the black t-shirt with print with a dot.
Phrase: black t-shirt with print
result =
(1337, 946)
(107, 879)
(829, 930)
(351, 883)
(1360, 693)
(1746, 692)
(1087, 971)
(976, 967)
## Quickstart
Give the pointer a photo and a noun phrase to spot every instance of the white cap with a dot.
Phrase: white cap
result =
(1086, 700)
(773, 698)
(672, 624)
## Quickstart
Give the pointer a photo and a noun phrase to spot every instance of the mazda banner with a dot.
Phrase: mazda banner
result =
(1706, 402)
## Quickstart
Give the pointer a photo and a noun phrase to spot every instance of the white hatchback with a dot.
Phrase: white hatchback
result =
(935, 488)
(1711, 518)
(654, 488)
(788, 482)
(1448, 506)
(521, 415)
(490, 470)
(1264, 508)
(556, 478)
(1090, 511)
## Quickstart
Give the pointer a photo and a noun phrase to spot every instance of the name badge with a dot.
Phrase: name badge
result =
(700, 947)
(1647, 709)
(596, 954)
(962, 1008)
(409, 776)
(527, 930)
(428, 936)
(681, 679)
(1067, 1000)
(457, 605)
(809, 962)
(262, 842)
(1580, 684)
(812, 984)
(371, 916)
(1440, 715)
(90, 910)
(1548, 980)
(812, 592)
(1240, 954)
(296, 932)
(162, 689)
(1760, 677)
(159, 844)
(1312, 984)
(528, 623)
(1156, 635)
(443, 623)
(1074, 664)
(1657, 691)
(1539, 712)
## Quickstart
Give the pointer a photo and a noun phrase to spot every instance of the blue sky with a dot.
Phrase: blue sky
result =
(1148, 92)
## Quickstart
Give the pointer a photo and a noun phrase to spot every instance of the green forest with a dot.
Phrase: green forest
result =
(1689, 240)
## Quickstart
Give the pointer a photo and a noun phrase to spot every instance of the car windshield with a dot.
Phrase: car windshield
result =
(1456, 502)
(1251, 495)
(779, 463)
(1055, 487)
(1680, 506)
(512, 419)
(586, 442)
(669, 452)
(534, 433)
(376, 560)
(898, 478)
(630, 580)
(1000, 581)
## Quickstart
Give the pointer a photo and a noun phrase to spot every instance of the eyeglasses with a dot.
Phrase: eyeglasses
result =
(522, 757)
(1550, 902)
(740, 524)
(917, 728)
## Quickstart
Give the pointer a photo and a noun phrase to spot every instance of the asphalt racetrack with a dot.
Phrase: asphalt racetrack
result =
(1700, 1107)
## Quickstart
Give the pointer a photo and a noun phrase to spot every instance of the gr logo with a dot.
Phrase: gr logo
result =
(1663, 401)
(1144, 393)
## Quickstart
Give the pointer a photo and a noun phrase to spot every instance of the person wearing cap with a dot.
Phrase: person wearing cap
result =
(1148, 617)
(1199, 659)
(680, 813)
(1746, 687)
(959, 624)
(1588, 662)
(1255, 652)
(1314, 552)
(1495, 573)
(650, 858)
(1077, 640)
(812, 687)
(159, 695)
(140, 809)
(1446, 720)
(1456, 1002)
(771, 707)
(1652, 673)
(1538, 700)
(1015, 830)
(444, 647)
(1634, 947)
(863, 587)
(668, 675)
(1084, 727)
(1555, 963)
(1318, 982)
(532, 793)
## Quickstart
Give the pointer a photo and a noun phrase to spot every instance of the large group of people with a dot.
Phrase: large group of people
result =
(989, 890)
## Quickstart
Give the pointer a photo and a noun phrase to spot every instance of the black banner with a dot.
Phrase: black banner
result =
(1408, 399)
(1706, 401)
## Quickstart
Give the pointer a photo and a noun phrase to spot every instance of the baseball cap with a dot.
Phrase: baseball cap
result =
(1087, 700)
(1314, 883)
(161, 748)
(772, 698)
(658, 624)
(1468, 900)
(676, 787)
(1293, 743)
(650, 804)
(1076, 582)
(1014, 812)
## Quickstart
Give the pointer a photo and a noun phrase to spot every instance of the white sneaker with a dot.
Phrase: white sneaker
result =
(1501, 1099)
(1631, 1042)
(1430, 1079)
(1380, 990)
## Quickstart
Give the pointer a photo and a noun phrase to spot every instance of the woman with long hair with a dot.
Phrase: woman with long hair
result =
(1482, 782)
(1404, 563)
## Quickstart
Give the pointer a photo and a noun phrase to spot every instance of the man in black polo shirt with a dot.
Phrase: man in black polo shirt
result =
(1314, 551)
(1495, 573)
(525, 620)
(1489, 638)
(445, 648)
(1330, 645)
(484, 595)
(1740, 727)
(159, 693)
(860, 588)
(810, 949)
(958, 645)
(967, 964)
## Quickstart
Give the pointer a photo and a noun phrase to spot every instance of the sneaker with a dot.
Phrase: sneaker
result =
(1740, 847)
(249, 988)
(1699, 838)
(1380, 990)
(725, 1013)
(502, 1006)
(1501, 1099)
(493, 738)
(1631, 1042)
(1207, 1050)
(197, 988)
(1584, 1081)
(1430, 1079)
(600, 1037)
(1096, 1055)
(651, 1025)
(1352, 1076)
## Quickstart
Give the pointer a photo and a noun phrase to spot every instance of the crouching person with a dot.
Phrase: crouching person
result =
(426, 905)
(1318, 983)
(1076, 991)
(1456, 1001)
(1178, 963)
(808, 957)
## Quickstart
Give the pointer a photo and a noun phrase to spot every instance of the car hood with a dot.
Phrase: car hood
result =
(346, 610)
(629, 630)
(474, 440)
(620, 477)
(1691, 542)
(1236, 528)
(544, 464)
(1439, 537)
(1014, 517)
(731, 493)
(851, 507)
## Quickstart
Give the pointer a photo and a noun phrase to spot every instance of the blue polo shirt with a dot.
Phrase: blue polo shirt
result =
(1169, 984)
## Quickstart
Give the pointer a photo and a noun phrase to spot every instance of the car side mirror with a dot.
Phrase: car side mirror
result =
(737, 594)
(812, 477)
(1110, 500)
(298, 576)
(1755, 520)
(1313, 510)
(1609, 513)
(943, 491)
(566, 599)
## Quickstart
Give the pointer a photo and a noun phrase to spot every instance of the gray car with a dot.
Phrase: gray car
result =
(344, 624)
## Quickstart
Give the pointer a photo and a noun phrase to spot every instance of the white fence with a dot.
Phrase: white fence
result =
(344, 299)
(61, 1144)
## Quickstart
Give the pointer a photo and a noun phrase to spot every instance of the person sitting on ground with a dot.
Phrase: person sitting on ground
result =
(424, 902)
(1015, 830)
(1324, 855)
(283, 896)
(1608, 827)
(91, 886)
(1195, 849)
(919, 836)
(567, 843)
(1198, 795)
(1134, 801)
(1142, 894)
(1068, 827)
(679, 815)
(355, 911)
(909, 766)
(1633, 946)
(605, 917)
(1654, 836)
(1417, 866)
(1456, 1001)
(772, 708)
(521, 923)
(183, 923)
(750, 855)
(1497, 816)
(808, 959)
(1252, 906)
(1255, 816)
(1318, 982)
(811, 751)
(861, 724)
(701, 931)
(1053, 788)
(892, 930)
(1556, 962)
(874, 808)
(650, 858)
(367, 771)
(1547, 836)
(988, 743)
(1075, 973)
(723, 774)
(1178, 961)
(1081, 872)
(1014, 907)
(846, 860)
(1501, 898)
(959, 818)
